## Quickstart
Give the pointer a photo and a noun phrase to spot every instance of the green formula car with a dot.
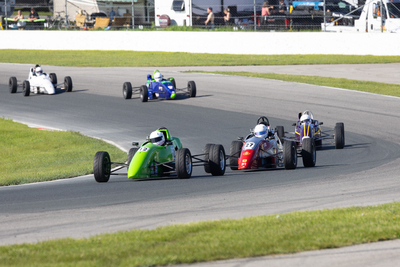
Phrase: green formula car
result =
(162, 155)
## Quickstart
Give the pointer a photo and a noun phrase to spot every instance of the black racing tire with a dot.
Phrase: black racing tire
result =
(217, 160)
(172, 80)
(206, 158)
(309, 152)
(26, 88)
(183, 163)
(68, 84)
(53, 78)
(191, 87)
(102, 167)
(13, 84)
(235, 151)
(144, 93)
(280, 130)
(127, 90)
(339, 135)
(131, 153)
(289, 155)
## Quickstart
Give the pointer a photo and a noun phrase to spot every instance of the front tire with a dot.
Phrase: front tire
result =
(131, 153)
(217, 160)
(280, 130)
(309, 152)
(206, 158)
(68, 84)
(234, 151)
(339, 135)
(102, 167)
(289, 155)
(144, 93)
(191, 87)
(13, 85)
(183, 163)
(127, 90)
(26, 88)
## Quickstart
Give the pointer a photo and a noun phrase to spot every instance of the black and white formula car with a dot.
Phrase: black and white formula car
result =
(39, 82)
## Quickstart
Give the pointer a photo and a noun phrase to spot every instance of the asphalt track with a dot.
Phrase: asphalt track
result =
(365, 172)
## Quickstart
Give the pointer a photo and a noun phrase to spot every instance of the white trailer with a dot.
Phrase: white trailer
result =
(376, 16)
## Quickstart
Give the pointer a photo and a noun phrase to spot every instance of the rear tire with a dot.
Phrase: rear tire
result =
(13, 85)
(144, 93)
(183, 163)
(206, 158)
(68, 84)
(127, 90)
(131, 153)
(191, 88)
(309, 152)
(26, 88)
(289, 155)
(102, 167)
(280, 130)
(339, 135)
(217, 160)
(235, 151)
(53, 78)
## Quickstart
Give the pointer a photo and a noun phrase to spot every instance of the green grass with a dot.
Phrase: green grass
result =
(364, 86)
(32, 155)
(161, 59)
(216, 240)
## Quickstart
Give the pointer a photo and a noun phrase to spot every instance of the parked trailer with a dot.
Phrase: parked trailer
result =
(376, 16)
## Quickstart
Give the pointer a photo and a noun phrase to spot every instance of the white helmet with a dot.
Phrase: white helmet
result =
(305, 118)
(158, 77)
(260, 130)
(39, 71)
(157, 138)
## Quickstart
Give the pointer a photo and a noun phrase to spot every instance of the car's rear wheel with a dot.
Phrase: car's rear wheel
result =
(53, 78)
(280, 130)
(191, 88)
(289, 155)
(183, 163)
(339, 135)
(309, 152)
(217, 160)
(206, 158)
(13, 85)
(131, 153)
(127, 90)
(26, 88)
(144, 93)
(235, 150)
(68, 84)
(102, 167)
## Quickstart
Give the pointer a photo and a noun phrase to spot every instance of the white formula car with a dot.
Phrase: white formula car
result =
(40, 84)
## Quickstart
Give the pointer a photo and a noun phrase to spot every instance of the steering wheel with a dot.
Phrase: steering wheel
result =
(263, 120)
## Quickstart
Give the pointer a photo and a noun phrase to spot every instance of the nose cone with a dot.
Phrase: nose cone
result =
(173, 95)
(246, 159)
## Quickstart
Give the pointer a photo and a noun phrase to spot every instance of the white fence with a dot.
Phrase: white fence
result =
(258, 43)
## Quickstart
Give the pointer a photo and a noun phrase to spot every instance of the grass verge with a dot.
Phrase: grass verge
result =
(364, 86)
(32, 155)
(162, 59)
(216, 240)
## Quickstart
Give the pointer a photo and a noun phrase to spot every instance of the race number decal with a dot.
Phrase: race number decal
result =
(143, 149)
(249, 146)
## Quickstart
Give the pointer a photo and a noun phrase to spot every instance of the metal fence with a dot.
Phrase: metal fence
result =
(254, 15)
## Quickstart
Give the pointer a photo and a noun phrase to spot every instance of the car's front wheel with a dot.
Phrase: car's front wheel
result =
(183, 163)
(144, 93)
(217, 160)
(235, 151)
(127, 90)
(68, 84)
(102, 167)
(191, 88)
(13, 85)
(26, 88)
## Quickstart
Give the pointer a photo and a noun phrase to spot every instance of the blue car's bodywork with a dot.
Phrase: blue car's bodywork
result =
(164, 89)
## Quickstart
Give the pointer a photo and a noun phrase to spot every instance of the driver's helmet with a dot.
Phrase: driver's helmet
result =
(157, 138)
(305, 118)
(39, 71)
(158, 77)
(261, 130)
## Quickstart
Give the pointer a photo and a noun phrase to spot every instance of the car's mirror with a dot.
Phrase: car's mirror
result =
(294, 124)
(169, 143)
(321, 123)
(135, 143)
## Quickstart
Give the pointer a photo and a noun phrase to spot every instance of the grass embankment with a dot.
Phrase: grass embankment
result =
(364, 86)
(216, 240)
(162, 59)
(32, 155)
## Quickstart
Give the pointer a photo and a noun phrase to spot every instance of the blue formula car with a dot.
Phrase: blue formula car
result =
(158, 88)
